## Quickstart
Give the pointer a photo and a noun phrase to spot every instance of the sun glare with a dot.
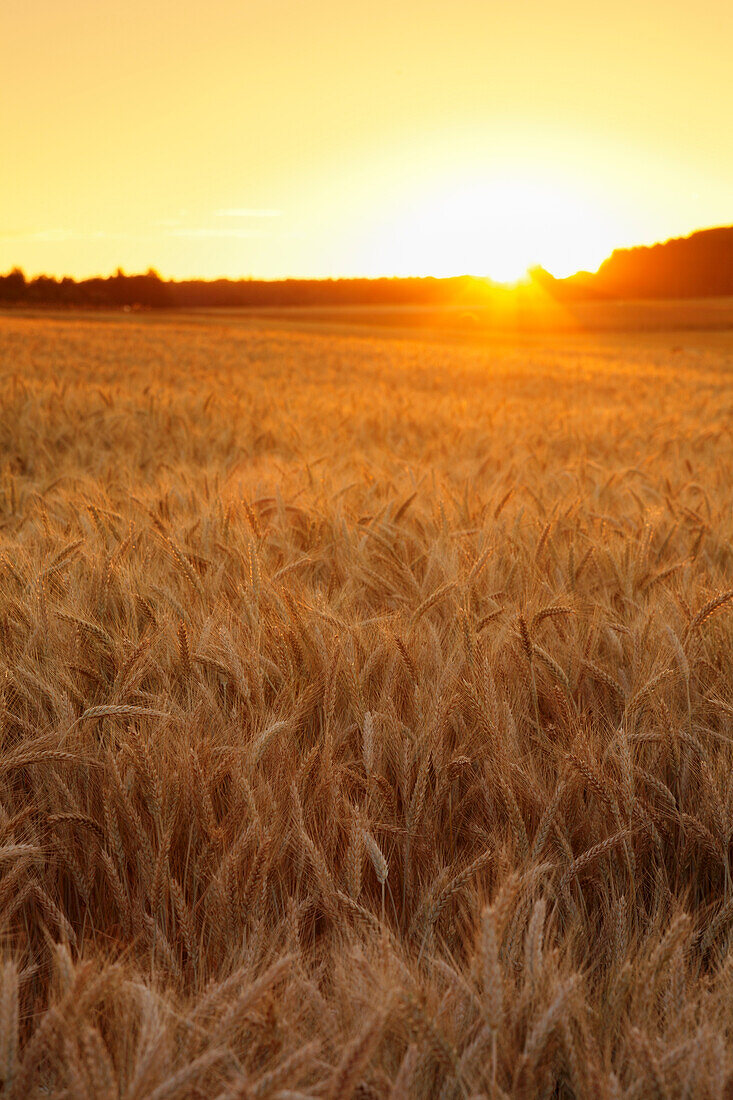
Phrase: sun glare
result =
(496, 228)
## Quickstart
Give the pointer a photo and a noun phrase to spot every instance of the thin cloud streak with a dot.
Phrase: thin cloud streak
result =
(246, 212)
(39, 234)
(204, 232)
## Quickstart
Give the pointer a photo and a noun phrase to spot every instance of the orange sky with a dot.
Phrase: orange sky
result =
(330, 137)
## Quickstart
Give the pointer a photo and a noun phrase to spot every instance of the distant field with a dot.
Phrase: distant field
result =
(519, 313)
(513, 312)
(366, 707)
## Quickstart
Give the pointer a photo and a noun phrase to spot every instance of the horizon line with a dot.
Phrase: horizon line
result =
(483, 277)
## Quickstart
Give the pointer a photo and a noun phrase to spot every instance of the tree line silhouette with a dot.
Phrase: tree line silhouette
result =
(150, 291)
(697, 266)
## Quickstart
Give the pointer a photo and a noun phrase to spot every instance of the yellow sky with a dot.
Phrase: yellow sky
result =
(330, 137)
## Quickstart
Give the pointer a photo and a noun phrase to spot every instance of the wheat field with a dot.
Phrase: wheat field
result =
(366, 713)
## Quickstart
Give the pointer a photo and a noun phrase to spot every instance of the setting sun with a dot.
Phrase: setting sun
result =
(497, 227)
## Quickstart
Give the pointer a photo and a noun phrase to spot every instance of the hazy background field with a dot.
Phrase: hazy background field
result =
(514, 312)
(366, 708)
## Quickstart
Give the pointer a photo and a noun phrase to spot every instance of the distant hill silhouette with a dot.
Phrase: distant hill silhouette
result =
(697, 266)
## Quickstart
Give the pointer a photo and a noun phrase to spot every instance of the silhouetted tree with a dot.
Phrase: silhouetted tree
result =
(13, 286)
